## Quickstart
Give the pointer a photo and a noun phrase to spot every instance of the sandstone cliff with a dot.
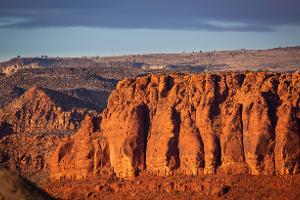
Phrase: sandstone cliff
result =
(81, 155)
(201, 123)
(43, 110)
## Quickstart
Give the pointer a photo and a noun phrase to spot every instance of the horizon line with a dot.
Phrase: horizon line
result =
(142, 54)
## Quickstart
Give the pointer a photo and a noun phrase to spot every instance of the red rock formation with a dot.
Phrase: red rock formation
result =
(27, 153)
(287, 131)
(81, 155)
(13, 186)
(41, 109)
(201, 123)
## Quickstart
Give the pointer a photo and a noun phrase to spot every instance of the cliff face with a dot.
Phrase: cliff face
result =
(83, 154)
(204, 123)
(41, 109)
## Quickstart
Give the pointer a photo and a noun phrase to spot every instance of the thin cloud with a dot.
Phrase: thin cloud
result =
(215, 15)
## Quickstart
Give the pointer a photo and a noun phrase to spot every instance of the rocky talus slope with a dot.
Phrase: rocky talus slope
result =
(228, 123)
(14, 186)
(41, 110)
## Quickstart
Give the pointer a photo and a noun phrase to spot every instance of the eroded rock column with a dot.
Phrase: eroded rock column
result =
(287, 147)
(191, 150)
(162, 145)
(125, 132)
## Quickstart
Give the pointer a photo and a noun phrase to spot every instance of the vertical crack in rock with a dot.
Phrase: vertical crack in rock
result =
(258, 136)
(166, 83)
(191, 152)
(173, 161)
(204, 121)
(127, 136)
(162, 150)
(233, 160)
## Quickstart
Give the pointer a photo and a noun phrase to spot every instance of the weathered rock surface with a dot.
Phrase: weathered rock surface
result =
(81, 155)
(41, 110)
(28, 154)
(228, 123)
(14, 186)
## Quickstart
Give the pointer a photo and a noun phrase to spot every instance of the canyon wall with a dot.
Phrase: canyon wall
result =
(198, 123)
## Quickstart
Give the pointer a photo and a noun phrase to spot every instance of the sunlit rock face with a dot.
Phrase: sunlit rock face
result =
(228, 123)
(42, 110)
(82, 154)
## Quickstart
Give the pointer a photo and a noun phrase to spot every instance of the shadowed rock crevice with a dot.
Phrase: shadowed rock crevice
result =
(146, 133)
(5, 128)
(166, 83)
(173, 161)
(127, 144)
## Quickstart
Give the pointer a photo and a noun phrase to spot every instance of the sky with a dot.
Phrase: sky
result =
(118, 27)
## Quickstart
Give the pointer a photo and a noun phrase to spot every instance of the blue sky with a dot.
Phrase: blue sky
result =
(95, 27)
